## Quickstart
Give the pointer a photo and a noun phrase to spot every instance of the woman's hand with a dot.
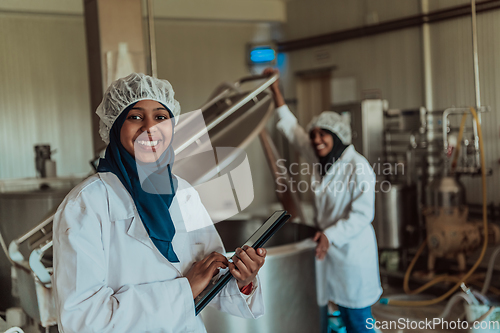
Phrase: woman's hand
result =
(322, 246)
(200, 274)
(246, 264)
(270, 71)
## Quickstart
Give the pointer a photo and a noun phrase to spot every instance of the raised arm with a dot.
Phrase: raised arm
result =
(288, 124)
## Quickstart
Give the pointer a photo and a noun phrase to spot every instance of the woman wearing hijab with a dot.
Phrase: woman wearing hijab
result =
(344, 199)
(123, 258)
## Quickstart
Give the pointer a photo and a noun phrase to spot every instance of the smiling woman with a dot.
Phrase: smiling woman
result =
(321, 140)
(147, 130)
(124, 260)
(344, 197)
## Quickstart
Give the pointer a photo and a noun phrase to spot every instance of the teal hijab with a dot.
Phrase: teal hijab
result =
(153, 197)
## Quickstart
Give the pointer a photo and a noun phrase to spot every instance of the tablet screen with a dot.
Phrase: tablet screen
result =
(264, 228)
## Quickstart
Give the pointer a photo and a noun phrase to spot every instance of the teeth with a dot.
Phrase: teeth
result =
(319, 147)
(148, 143)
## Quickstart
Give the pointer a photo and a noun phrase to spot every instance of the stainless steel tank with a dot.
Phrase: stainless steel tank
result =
(23, 204)
(287, 277)
(396, 221)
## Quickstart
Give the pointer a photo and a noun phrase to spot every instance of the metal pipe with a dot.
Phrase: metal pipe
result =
(35, 230)
(476, 78)
(151, 39)
(476, 59)
(427, 58)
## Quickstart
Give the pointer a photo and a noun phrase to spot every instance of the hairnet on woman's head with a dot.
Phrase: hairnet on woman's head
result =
(131, 89)
(333, 122)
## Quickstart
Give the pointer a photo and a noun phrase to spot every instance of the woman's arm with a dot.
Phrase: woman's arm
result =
(288, 124)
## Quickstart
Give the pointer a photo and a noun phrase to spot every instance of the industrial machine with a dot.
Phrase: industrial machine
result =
(449, 232)
(423, 144)
(419, 198)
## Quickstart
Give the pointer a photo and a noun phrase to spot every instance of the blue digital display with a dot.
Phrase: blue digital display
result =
(262, 55)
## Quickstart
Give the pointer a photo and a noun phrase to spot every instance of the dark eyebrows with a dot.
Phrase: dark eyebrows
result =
(155, 109)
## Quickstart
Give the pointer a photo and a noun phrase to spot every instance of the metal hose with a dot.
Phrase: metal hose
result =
(489, 273)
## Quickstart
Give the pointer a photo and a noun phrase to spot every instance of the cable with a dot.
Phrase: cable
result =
(490, 270)
(478, 261)
(453, 300)
(481, 297)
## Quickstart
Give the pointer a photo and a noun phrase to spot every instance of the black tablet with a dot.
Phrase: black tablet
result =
(258, 239)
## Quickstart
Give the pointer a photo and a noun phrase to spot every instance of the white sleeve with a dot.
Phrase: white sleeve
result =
(361, 211)
(85, 302)
(295, 134)
(232, 301)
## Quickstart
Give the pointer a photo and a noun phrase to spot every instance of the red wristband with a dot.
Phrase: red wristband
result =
(247, 289)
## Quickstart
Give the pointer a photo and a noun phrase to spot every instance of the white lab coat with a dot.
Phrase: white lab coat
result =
(109, 276)
(345, 206)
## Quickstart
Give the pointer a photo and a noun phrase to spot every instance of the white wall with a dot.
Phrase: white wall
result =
(43, 93)
(389, 63)
(314, 17)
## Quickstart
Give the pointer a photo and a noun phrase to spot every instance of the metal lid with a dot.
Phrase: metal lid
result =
(233, 118)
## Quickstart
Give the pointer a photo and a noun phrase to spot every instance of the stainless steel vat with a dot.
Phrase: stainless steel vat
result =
(287, 277)
(23, 204)
(396, 221)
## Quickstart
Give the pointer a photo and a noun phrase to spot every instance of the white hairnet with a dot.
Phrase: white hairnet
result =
(333, 122)
(131, 89)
